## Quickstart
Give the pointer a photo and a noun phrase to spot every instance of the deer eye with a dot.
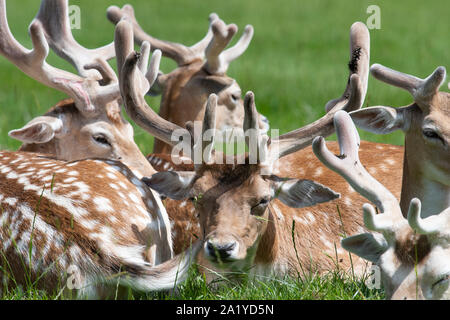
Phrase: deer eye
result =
(442, 281)
(260, 207)
(235, 97)
(101, 139)
(431, 134)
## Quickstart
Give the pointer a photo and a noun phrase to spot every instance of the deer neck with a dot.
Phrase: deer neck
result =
(49, 148)
(435, 196)
(267, 249)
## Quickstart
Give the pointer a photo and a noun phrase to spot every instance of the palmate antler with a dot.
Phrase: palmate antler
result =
(212, 46)
(51, 28)
(348, 165)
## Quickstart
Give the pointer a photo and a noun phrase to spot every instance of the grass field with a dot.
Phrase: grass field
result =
(295, 64)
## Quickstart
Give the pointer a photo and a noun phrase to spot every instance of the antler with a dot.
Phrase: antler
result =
(434, 224)
(218, 60)
(86, 92)
(420, 89)
(352, 99)
(54, 18)
(134, 85)
(348, 165)
(212, 45)
(181, 54)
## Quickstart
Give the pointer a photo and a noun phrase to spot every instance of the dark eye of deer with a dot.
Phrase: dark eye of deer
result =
(102, 140)
(234, 97)
(431, 134)
(262, 204)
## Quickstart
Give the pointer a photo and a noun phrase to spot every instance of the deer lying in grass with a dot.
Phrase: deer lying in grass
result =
(90, 124)
(244, 211)
(89, 217)
(94, 216)
(413, 253)
(201, 71)
(314, 235)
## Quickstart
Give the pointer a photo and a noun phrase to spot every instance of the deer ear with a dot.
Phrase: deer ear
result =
(367, 246)
(380, 120)
(39, 130)
(175, 185)
(302, 193)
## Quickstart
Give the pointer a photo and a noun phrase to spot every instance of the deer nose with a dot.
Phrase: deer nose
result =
(220, 250)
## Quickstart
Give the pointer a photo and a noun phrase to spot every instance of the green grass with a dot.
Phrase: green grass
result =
(332, 286)
(295, 64)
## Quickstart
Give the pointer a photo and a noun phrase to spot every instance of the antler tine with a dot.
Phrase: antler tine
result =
(134, 86)
(430, 225)
(419, 88)
(181, 54)
(32, 62)
(208, 129)
(253, 138)
(222, 35)
(348, 165)
(200, 47)
(218, 59)
(54, 17)
(239, 48)
(352, 98)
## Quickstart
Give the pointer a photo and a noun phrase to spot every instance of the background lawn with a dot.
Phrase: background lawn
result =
(296, 62)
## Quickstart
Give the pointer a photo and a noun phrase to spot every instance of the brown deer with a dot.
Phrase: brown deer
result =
(90, 124)
(247, 213)
(93, 220)
(412, 253)
(92, 215)
(201, 71)
(426, 124)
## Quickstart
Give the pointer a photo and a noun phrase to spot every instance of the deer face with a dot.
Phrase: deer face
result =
(232, 204)
(426, 129)
(186, 91)
(413, 266)
(70, 135)
(429, 133)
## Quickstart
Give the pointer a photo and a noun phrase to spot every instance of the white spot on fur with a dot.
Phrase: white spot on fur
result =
(318, 172)
(103, 204)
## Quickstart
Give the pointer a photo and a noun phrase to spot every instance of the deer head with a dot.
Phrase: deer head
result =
(90, 124)
(232, 193)
(201, 71)
(413, 253)
(426, 172)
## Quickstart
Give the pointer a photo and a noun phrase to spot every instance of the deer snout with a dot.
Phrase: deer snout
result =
(221, 250)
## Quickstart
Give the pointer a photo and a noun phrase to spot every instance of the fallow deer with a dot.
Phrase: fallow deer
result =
(243, 209)
(276, 249)
(93, 215)
(94, 218)
(201, 71)
(426, 124)
(90, 124)
(413, 253)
